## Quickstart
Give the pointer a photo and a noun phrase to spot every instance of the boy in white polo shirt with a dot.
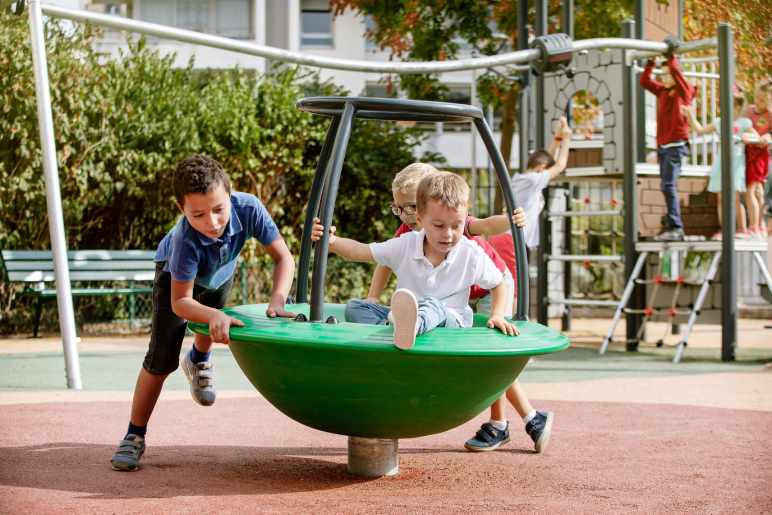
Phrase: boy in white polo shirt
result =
(435, 267)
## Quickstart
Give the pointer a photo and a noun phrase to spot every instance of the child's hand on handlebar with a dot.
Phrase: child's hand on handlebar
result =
(318, 230)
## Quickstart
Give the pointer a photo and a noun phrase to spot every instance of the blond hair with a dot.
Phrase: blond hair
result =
(447, 188)
(408, 178)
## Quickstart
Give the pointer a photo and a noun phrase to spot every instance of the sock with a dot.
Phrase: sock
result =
(196, 356)
(501, 425)
(529, 416)
(136, 430)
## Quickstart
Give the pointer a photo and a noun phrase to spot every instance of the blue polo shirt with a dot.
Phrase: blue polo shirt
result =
(190, 255)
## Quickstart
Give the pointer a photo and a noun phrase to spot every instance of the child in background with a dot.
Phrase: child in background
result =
(672, 92)
(742, 133)
(757, 158)
(543, 166)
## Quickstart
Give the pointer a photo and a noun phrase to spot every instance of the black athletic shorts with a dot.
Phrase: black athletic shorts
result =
(168, 330)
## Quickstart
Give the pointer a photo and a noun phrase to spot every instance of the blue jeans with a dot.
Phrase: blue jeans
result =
(431, 313)
(669, 170)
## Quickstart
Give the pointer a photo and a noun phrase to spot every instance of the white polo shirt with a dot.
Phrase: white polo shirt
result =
(449, 282)
(527, 188)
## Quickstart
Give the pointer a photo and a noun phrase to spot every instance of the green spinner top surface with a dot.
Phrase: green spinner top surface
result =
(350, 379)
(478, 340)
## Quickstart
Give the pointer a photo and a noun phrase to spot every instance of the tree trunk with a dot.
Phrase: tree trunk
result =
(507, 133)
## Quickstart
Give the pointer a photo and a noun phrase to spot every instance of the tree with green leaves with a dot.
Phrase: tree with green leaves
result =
(427, 30)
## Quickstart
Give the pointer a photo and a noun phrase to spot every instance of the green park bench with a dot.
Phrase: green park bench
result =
(102, 268)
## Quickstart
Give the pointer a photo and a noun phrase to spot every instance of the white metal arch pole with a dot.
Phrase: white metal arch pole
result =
(53, 198)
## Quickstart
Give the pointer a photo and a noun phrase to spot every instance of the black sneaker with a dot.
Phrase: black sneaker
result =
(674, 234)
(539, 429)
(130, 450)
(488, 438)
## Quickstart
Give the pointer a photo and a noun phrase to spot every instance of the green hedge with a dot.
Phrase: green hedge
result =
(122, 124)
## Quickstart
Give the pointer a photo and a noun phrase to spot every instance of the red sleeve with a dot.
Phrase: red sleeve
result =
(402, 229)
(684, 88)
(647, 82)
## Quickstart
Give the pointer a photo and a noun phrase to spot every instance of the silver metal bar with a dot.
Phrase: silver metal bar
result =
(697, 306)
(704, 112)
(53, 198)
(580, 258)
(697, 75)
(764, 271)
(624, 300)
(713, 102)
(583, 302)
(691, 46)
(645, 48)
(571, 214)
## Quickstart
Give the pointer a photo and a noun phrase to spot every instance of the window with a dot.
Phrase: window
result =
(229, 18)
(316, 24)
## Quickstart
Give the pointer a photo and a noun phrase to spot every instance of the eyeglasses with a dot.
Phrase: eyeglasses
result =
(408, 209)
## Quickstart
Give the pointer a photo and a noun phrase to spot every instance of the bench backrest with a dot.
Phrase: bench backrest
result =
(35, 266)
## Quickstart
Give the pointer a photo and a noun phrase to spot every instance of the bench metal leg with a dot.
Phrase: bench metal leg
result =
(132, 307)
(38, 313)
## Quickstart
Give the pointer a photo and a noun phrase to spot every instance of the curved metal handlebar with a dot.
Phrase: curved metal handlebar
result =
(245, 47)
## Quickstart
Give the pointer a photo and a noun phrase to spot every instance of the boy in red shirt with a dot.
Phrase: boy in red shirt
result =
(672, 91)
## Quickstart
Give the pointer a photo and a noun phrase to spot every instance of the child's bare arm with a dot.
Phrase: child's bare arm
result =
(694, 124)
(561, 161)
(283, 272)
(348, 249)
(498, 304)
(378, 283)
(496, 224)
(185, 306)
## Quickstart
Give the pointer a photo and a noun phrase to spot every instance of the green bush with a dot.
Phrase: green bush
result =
(122, 124)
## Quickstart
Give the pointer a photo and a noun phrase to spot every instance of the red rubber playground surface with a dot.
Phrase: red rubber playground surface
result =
(616, 447)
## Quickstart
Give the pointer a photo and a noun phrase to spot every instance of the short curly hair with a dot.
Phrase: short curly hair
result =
(198, 174)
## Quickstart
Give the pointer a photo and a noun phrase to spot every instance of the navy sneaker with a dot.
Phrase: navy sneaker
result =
(539, 429)
(488, 438)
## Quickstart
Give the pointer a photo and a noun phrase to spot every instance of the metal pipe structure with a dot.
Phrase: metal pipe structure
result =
(596, 258)
(523, 104)
(312, 211)
(640, 94)
(509, 200)
(567, 23)
(244, 47)
(53, 198)
(332, 177)
(542, 267)
(571, 214)
(728, 264)
(567, 26)
(630, 181)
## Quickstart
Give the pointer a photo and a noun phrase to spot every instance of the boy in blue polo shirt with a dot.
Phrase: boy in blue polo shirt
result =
(195, 263)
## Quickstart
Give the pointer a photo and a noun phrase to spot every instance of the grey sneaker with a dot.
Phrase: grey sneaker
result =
(201, 379)
(675, 234)
(539, 429)
(130, 450)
